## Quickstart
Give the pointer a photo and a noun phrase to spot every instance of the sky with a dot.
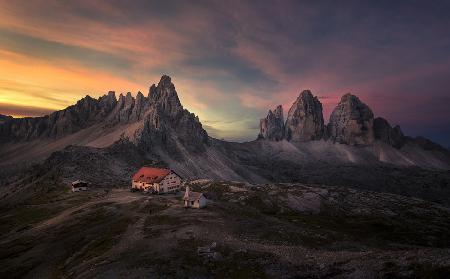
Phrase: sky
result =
(232, 61)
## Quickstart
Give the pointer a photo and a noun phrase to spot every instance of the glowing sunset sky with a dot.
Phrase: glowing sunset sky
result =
(232, 61)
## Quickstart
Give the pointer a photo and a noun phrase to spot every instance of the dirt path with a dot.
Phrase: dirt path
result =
(116, 196)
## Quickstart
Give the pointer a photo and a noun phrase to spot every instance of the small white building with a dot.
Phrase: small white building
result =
(159, 180)
(194, 199)
(79, 185)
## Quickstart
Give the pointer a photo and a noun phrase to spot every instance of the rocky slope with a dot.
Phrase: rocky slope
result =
(157, 121)
(159, 127)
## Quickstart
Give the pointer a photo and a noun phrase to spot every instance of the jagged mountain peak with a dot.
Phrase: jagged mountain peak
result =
(110, 96)
(351, 122)
(108, 111)
(166, 82)
(165, 97)
(305, 118)
(306, 94)
(278, 111)
(348, 96)
(272, 127)
(151, 91)
(304, 121)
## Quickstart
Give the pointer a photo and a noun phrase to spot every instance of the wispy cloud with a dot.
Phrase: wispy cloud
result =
(231, 59)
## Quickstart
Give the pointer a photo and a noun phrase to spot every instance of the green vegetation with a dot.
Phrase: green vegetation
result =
(23, 217)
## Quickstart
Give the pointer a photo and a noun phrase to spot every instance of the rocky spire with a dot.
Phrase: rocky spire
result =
(166, 121)
(351, 122)
(385, 133)
(139, 106)
(272, 127)
(107, 102)
(165, 97)
(305, 119)
(151, 91)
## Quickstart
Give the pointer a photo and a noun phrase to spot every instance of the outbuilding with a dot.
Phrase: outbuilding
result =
(79, 185)
(193, 199)
(158, 180)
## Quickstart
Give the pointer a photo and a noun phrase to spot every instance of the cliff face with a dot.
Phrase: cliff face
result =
(158, 126)
(305, 119)
(351, 122)
(272, 127)
(166, 122)
(385, 133)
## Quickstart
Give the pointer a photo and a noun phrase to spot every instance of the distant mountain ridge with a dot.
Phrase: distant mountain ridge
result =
(147, 121)
(159, 112)
(351, 122)
(160, 129)
(105, 140)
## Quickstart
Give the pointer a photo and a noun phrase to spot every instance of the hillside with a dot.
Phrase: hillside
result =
(246, 231)
(305, 199)
(87, 140)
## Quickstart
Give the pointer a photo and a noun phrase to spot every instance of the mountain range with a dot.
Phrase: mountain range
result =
(354, 148)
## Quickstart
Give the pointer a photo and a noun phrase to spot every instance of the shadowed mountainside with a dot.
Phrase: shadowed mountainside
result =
(106, 139)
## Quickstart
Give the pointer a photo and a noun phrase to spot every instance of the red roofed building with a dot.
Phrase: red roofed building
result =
(159, 180)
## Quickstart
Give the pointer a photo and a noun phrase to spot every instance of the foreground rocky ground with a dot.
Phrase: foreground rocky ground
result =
(246, 231)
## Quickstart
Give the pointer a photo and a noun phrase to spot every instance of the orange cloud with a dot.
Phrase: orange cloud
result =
(31, 82)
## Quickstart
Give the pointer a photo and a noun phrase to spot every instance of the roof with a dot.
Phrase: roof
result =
(151, 175)
(193, 196)
(77, 182)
